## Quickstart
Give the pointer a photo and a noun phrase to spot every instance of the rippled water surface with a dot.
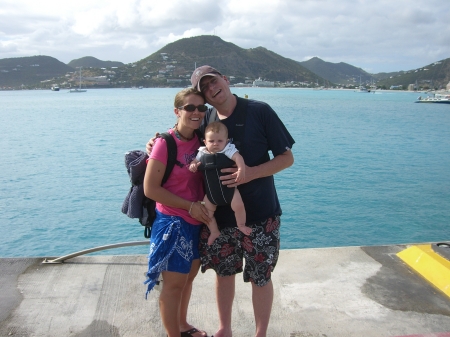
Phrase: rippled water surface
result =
(370, 169)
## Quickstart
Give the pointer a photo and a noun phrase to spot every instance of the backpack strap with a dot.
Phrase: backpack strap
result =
(213, 116)
(199, 135)
(171, 161)
(171, 155)
(239, 129)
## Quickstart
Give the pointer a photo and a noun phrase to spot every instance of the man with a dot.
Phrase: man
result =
(263, 132)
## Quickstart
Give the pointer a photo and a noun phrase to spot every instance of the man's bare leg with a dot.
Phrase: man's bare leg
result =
(225, 295)
(262, 298)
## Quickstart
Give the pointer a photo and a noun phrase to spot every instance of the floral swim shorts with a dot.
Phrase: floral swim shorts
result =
(260, 250)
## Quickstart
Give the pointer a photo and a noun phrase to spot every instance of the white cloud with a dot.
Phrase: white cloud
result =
(377, 36)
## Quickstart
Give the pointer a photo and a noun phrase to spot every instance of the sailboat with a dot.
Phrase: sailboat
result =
(361, 87)
(79, 89)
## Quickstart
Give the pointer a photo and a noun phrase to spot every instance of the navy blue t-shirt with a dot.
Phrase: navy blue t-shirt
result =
(264, 132)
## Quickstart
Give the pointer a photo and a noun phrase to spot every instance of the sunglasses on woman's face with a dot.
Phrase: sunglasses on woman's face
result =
(192, 107)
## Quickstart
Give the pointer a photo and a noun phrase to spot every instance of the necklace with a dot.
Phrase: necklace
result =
(179, 135)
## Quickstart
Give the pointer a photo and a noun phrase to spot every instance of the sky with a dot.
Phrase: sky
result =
(376, 35)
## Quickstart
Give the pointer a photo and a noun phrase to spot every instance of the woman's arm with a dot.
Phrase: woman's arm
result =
(153, 190)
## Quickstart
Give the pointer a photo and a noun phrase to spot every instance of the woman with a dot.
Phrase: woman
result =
(175, 232)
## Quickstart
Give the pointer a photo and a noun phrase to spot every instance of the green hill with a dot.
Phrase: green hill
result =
(92, 62)
(432, 76)
(177, 60)
(339, 73)
(15, 72)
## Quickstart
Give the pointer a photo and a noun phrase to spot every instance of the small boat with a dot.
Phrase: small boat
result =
(436, 98)
(79, 89)
(363, 89)
(55, 88)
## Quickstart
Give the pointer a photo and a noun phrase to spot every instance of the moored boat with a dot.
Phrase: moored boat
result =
(435, 98)
(363, 89)
(79, 89)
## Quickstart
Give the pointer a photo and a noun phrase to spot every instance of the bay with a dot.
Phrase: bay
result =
(370, 169)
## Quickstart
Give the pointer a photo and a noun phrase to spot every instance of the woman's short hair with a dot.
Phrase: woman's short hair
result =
(181, 95)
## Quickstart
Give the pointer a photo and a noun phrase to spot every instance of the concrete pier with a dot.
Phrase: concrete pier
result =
(328, 292)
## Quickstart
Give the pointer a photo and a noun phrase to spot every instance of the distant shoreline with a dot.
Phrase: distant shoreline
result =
(291, 88)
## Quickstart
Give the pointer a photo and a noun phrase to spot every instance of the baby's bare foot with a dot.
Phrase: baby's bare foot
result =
(244, 229)
(212, 237)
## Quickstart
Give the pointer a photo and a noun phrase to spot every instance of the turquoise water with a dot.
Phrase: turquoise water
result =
(370, 169)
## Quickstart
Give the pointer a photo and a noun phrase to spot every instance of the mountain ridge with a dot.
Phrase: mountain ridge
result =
(23, 71)
(90, 61)
(173, 64)
(231, 60)
(341, 73)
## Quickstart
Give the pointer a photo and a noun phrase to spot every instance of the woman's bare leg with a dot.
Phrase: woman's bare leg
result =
(170, 301)
(185, 297)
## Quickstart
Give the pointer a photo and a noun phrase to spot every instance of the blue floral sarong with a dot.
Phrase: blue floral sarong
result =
(173, 247)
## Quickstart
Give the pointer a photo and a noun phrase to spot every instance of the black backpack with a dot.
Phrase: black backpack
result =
(136, 204)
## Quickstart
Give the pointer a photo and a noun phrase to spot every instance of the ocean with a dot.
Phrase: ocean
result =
(370, 168)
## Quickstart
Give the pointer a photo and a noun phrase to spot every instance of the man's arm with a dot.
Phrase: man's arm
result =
(273, 166)
(149, 145)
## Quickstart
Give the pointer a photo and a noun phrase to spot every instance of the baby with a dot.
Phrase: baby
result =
(215, 155)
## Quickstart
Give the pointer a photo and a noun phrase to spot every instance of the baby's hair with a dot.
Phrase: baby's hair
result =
(216, 127)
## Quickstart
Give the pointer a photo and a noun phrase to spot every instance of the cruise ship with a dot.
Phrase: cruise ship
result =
(261, 83)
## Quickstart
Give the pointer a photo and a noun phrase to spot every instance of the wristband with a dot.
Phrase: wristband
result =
(190, 208)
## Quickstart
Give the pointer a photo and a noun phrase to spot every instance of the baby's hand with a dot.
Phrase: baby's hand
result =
(193, 166)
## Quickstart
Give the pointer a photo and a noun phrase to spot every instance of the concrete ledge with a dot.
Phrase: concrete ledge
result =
(441, 334)
(433, 267)
(335, 292)
(442, 248)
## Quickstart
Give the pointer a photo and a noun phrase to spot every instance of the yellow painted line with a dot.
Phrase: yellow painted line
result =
(433, 267)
